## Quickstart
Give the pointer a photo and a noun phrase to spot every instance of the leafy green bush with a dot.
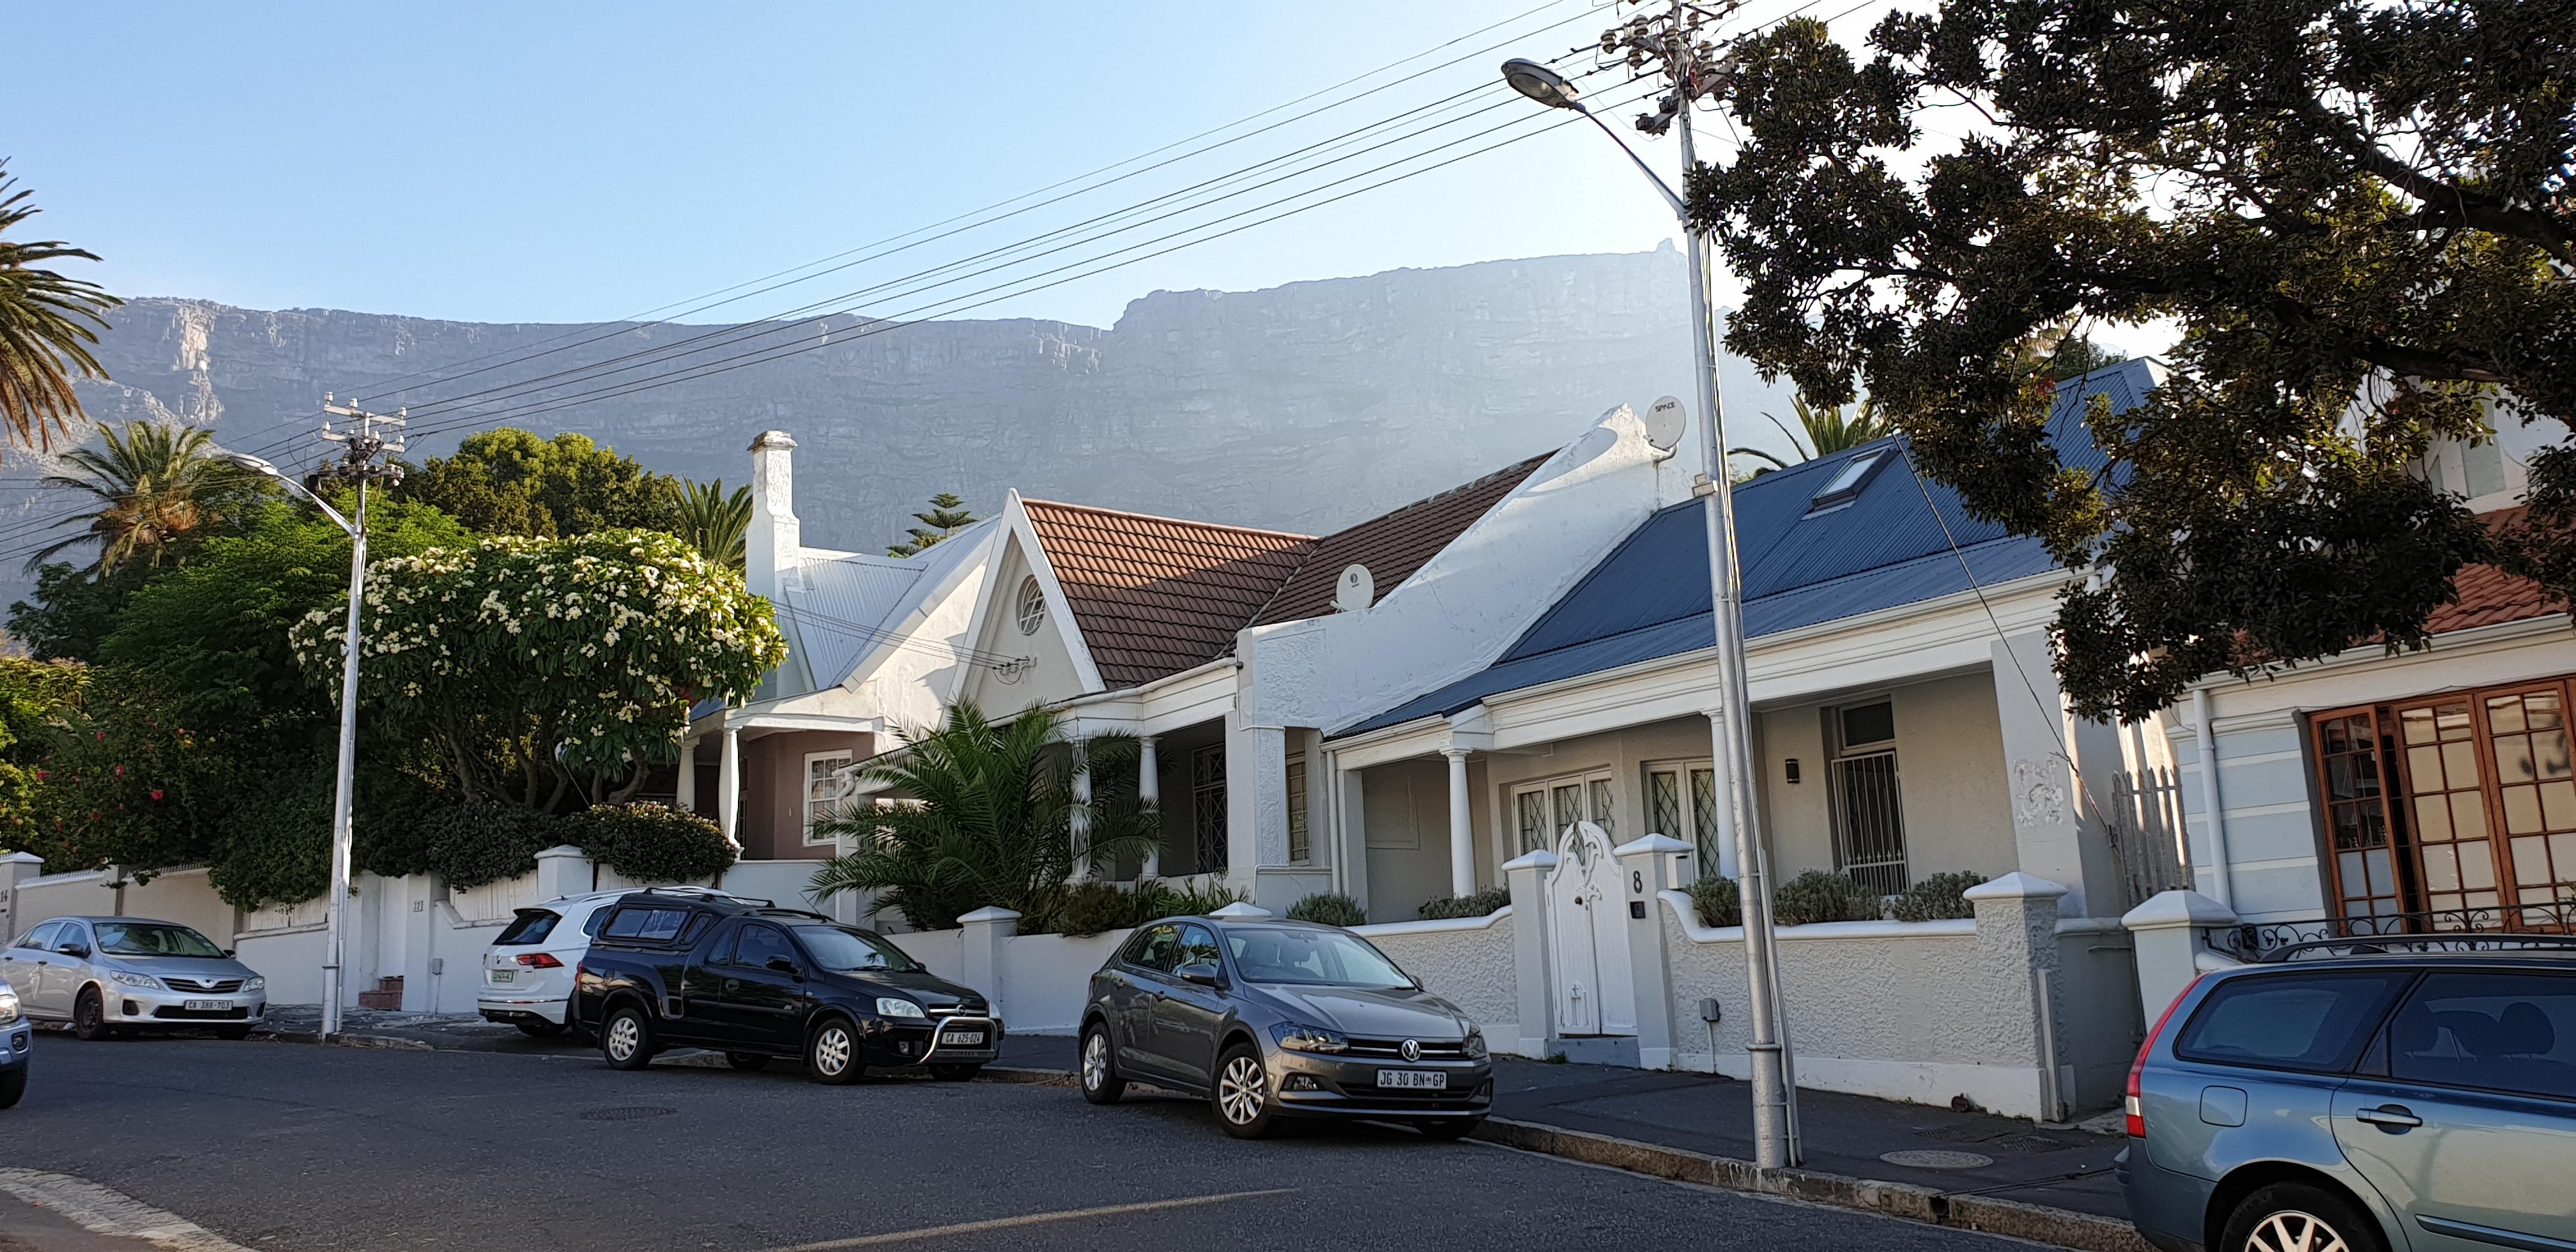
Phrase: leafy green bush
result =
(1478, 905)
(1816, 896)
(1937, 897)
(469, 845)
(1329, 909)
(1155, 899)
(1088, 908)
(650, 842)
(1718, 901)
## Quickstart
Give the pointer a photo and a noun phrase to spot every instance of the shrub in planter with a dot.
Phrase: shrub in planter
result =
(1816, 896)
(651, 842)
(468, 845)
(1088, 908)
(1718, 901)
(1156, 900)
(1478, 905)
(1937, 897)
(1330, 909)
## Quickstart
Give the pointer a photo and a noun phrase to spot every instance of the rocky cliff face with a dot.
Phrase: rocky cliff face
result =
(1303, 407)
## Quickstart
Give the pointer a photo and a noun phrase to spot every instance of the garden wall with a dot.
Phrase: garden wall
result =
(1467, 961)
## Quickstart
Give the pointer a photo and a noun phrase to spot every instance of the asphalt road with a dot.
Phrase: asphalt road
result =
(288, 1146)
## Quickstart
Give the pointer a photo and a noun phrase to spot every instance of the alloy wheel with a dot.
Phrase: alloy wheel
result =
(1095, 1060)
(624, 1036)
(832, 1050)
(2293, 1231)
(1241, 1090)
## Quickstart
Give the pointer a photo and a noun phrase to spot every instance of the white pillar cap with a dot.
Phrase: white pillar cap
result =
(1243, 911)
(990, 913)
(2178, 908)
(2015, 886)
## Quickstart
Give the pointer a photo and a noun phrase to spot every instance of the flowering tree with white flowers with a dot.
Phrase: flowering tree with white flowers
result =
(543, 669)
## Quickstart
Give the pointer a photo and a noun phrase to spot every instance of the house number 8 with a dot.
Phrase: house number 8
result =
(1637, 881)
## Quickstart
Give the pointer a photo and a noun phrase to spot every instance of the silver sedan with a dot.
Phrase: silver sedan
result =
(121, 974)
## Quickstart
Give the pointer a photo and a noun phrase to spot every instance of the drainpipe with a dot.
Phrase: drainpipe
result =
(2209, 802)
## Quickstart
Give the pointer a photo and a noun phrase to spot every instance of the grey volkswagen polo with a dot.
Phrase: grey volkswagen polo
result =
(1281, 1019)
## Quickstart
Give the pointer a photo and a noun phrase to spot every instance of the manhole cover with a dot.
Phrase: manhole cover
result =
(1936, 1158)
(635, 1113)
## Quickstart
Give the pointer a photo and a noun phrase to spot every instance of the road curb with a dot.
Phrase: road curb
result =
(1034, 1077)
(1985, 1214)
(394, 1043)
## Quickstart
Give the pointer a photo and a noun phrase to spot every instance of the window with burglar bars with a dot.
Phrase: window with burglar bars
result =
(1869, 819)
(1301, 845)
(1207, 806)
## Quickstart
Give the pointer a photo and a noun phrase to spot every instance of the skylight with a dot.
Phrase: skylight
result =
(1846, 484)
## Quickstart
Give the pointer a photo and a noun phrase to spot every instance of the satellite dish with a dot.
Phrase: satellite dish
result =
(1355, 590)
(1664, 422)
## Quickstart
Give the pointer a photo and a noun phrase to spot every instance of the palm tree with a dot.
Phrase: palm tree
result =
(946, 516)
(987, 819)
(47, 323)
(156, 486)
(1827, 431)
(714, 523)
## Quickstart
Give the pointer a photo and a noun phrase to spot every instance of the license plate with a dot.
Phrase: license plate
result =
(1414, 1079)
(504, 975)
(961, 1038)
(200, 1006)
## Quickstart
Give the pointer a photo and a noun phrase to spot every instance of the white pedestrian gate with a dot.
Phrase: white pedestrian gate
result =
(1588, 940)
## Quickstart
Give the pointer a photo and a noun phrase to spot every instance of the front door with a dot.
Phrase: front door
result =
(760, 992)
(2470, 1132)
(1588, 925)
(1188, 1015)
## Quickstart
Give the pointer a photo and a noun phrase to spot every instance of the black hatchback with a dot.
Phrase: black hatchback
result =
(1281, 1019)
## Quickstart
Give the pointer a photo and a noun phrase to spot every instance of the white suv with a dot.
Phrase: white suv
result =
(528, 970)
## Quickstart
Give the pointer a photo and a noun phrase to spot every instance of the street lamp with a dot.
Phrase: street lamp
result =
(342, 796)
(1774, 1107)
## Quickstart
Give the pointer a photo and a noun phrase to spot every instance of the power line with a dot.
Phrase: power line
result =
(878, 635)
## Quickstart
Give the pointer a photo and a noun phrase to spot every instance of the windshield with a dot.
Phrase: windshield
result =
(1311, 958)
(843, 951)
(152, 939)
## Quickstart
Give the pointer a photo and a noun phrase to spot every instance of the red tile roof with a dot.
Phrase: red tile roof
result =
(1392, 545)
(1156, 595)
(2488, 595)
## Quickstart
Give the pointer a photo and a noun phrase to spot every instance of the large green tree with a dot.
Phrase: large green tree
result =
(513, 482)
(946, 516)
(155, 490)
(47, 324)
(550, 673)
(714, 522)
(2359, 211)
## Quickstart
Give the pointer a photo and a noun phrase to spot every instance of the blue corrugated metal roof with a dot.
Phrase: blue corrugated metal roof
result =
(1650, 597)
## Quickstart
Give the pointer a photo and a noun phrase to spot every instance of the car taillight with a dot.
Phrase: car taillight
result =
(539, 960)
(2132, 1103)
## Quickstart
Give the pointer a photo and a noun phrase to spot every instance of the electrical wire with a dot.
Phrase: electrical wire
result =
(878, 635)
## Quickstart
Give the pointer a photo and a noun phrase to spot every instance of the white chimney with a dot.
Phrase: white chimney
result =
(771, 546)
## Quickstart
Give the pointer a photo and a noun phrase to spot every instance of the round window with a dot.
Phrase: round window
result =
(1032, 606)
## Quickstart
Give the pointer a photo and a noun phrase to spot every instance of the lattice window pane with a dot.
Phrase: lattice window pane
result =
(1531, 810)
(1207, 807)
(1300, 845)
(1664, 804)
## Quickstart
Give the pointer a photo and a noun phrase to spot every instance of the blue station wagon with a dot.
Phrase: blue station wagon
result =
(2354, 1096)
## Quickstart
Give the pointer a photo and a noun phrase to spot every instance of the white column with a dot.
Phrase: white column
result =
(729, 788)
(1149, 793)
(685, 792)
(1082, 868)
(1726, 853)
(2047, 794)
(1462, 827)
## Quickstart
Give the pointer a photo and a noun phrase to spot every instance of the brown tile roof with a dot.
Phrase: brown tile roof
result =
(1392, 545)
(2488, 595)
(1156, 595)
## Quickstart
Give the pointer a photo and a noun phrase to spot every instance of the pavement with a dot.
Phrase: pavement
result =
(220, 1146)
(1937, 1150)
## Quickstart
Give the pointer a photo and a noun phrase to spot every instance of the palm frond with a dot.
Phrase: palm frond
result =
(47, 324)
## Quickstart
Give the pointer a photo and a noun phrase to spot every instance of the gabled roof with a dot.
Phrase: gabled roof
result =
(1890, 545)
(1154, 596)
(1392, 545)
(2488, 595)
(837, 608)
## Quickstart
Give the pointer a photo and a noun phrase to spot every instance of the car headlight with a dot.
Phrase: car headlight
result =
(132, 979)
(8, 1005)
(254, 983)
(1302, 1038)
(1474, 1047)
(897, 1006)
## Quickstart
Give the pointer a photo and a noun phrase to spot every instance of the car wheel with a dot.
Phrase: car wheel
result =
(832, 1055)
(538, 1028)
(1100, 1081)
(1450, 1127)
(13, 1084)
(626, 1039)
(751, 1062)
(89, 1015)
(956, 1071)
(1242, 1096)
(232, 1032)
(2300, 1217)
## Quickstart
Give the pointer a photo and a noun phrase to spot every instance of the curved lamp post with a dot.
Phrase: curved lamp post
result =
(1739, 824)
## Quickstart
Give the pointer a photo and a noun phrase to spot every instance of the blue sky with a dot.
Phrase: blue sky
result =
(565, 162)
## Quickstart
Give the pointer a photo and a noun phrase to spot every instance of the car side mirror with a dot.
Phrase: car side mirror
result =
(782, 965)
(75, 951)
(228, 952)
(1203, 973)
